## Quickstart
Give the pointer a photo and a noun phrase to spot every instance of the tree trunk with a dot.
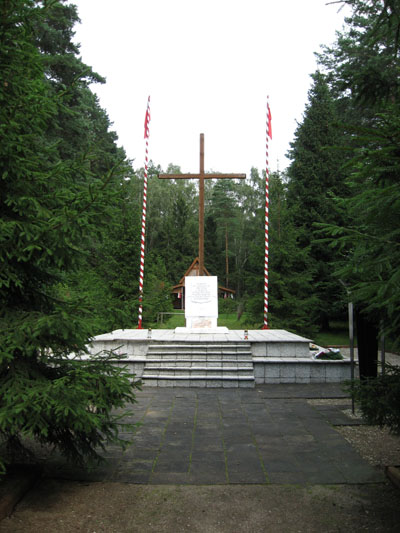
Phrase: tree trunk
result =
(367, 340)
(226, 257)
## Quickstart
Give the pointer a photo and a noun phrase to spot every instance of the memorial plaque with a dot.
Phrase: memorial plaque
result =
(201, 301)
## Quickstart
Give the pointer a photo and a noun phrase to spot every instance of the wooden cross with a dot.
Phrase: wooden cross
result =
(201, 177)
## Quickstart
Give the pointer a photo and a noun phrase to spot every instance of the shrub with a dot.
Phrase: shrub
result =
(227, 305)
(379, 398)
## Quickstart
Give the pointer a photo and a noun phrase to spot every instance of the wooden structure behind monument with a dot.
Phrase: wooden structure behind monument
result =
(178, 291)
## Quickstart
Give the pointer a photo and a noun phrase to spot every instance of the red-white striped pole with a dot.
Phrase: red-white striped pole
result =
(269, 135)
(143, 234)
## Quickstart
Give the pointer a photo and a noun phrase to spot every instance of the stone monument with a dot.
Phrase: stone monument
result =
(201, 305)
(201, 310)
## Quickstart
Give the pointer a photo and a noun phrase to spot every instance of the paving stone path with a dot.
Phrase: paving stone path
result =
(269, 434)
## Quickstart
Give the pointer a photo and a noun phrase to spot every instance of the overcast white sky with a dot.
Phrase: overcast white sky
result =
(208, 67)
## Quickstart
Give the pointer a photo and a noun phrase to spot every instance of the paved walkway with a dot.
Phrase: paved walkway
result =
(270, 434)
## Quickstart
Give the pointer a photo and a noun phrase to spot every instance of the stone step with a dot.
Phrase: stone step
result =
(207, 345)
(200, 356)
(199, 349)
(207, 369)
(200, 382)
(200, 377)
(198, 364)
(188, 358)
(199, 352)
(199, 373)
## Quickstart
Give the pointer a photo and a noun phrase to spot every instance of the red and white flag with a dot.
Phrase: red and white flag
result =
(269, 121)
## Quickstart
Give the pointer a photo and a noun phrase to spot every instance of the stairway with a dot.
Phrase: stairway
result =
(199, 364)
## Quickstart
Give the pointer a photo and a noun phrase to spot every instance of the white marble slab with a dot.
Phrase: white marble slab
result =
(215, 334)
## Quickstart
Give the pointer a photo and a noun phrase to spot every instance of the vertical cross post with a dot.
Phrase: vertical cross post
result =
(201, 177)
(201, 207)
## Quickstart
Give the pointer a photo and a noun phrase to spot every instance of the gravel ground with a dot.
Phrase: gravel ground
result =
(66, 506)
(376, 445)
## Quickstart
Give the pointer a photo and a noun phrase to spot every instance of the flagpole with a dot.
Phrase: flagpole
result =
(143, 232)
(269, 135)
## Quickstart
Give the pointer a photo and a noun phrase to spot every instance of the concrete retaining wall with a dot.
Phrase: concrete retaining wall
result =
(280, 349)
(296, 370)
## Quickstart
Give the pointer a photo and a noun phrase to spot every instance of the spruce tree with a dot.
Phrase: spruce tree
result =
(291, 298)
(81, 130)
(315, 179)
(49, 208)
(362, 68)
(224, 211)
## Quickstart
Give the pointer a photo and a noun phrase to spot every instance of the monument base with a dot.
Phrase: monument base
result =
(219, 357)
(201, 322)
(218, 329)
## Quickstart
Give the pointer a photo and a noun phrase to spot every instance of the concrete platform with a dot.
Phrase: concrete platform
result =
(276, 356)
(218, 334)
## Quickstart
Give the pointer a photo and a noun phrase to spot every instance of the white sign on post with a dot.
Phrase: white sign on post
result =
(201, 301)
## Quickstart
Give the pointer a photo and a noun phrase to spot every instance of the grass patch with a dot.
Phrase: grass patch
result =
(332, 338)
(171, 322)
(228, 320)
(337, 335)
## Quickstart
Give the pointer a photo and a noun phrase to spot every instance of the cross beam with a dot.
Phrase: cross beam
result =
(201, 177)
